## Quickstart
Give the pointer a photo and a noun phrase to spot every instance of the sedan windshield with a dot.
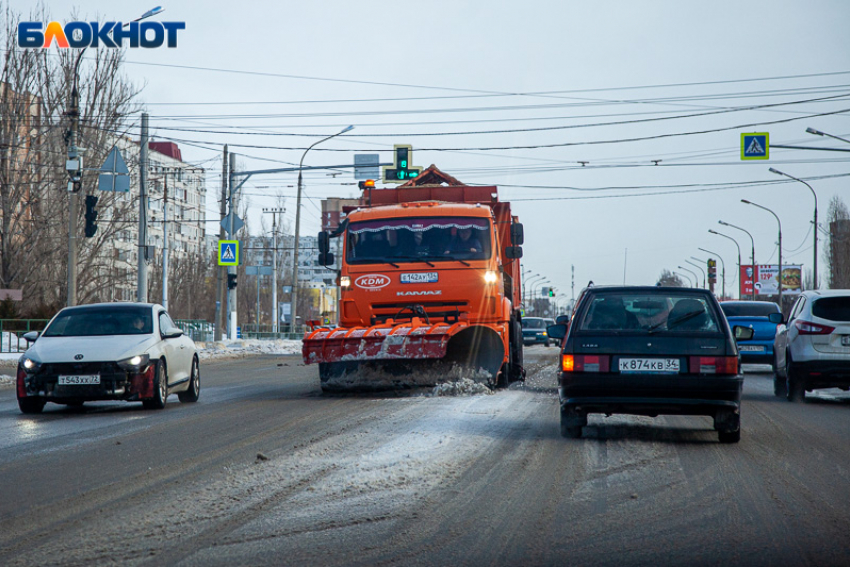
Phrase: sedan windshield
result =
(99, 321)
(648, 312)
(426, 240)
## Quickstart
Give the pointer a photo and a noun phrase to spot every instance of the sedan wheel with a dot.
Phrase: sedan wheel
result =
(191, 395)
(31, 405)
(160, 385)
(795, 389)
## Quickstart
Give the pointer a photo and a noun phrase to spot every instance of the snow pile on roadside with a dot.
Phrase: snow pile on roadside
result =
(462, 387)
(246, 347)
(6, 379)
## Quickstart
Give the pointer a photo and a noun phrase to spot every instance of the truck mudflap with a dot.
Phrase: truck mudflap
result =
(410, 340)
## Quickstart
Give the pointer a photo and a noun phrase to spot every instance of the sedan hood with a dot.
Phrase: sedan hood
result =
(94, 349)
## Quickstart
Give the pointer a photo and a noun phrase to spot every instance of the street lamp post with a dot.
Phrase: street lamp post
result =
(815, 195)
(752, 258)
(779, 275)
(698, 267)
(690, 281)
(722, 269)
(294, 304)
(530, 287)
(693, 273)
(739, 253)
(535, 287)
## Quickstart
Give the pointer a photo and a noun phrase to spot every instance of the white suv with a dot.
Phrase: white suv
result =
(813, 348)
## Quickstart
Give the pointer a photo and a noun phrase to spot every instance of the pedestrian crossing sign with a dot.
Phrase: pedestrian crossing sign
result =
(228, 252)
(755, 146)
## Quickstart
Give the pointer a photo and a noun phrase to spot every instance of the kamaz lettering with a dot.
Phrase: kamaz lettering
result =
(403, 293)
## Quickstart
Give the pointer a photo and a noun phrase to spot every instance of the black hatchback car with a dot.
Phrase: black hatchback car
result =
(650, 351)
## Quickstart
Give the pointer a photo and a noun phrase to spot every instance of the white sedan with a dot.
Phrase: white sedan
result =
(108, 351)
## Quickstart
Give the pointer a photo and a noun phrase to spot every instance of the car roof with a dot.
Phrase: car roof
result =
(645, 288)
(115, 304)
(826, 292)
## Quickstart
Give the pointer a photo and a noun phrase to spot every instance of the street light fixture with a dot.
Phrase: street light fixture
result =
(778, 275)
(819, 133)
(693, 273)
(294, 303)
(752, 258)
(697, 266)
(528, 285)
(815, 195)
(722, 269)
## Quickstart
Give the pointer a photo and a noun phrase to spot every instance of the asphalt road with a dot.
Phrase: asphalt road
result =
(266, 470)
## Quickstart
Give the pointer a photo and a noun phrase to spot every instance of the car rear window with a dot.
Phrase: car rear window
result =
(832, 308)
(761, 309)
(648, 312)
(533, 323)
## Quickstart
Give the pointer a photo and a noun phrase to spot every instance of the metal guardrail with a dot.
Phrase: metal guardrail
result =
(12, 331)
(204, 331)
(197, 329)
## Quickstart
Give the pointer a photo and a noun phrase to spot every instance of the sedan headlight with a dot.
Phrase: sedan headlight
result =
(30, 365)
(490, 277)
(135, 363)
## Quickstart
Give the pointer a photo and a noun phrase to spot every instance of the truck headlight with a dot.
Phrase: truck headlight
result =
(490, 277)
(345, 281)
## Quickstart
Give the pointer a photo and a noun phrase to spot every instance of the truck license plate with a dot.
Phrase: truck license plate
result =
(72, 380)
(645, 365)
(420, 277)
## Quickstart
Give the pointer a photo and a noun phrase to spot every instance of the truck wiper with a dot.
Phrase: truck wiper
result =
(415, 259)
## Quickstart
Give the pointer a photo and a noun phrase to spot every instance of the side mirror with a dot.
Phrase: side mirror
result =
(513, 252)
(557, 331)
(743, 333)
(517, 234)
(562, 320)
(174, 334)
(31, 336)
(776, 318)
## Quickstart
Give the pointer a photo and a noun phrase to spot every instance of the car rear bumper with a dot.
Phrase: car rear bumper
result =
(823, 373)
(764, 356)
(651, 394)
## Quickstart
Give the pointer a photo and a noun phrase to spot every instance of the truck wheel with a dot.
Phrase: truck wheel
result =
(516, 371)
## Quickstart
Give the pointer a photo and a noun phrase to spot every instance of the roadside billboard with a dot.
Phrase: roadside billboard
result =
(765, 277)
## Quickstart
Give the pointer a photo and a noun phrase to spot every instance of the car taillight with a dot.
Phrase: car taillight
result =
(809, 328)
(713, 365)
(22, 387)
(585, 363)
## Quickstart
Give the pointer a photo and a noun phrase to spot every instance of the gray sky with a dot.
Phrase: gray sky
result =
(509, 69)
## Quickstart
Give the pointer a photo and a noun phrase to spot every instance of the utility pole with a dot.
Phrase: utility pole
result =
(274, 212)
(231, 293)
(142, 283)
(165, 242)
(219, 295)
(75, 168)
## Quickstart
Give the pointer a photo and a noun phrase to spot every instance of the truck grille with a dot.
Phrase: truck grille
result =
(448, 311)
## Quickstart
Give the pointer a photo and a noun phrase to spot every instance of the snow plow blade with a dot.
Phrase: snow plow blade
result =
(411, 340)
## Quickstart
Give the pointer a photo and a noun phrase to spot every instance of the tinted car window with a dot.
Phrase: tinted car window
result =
(101, 321)
(645, 312)
(832, 308)
(762, 309)
(533, 323)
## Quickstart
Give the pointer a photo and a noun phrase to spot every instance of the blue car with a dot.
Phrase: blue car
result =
(753, 314)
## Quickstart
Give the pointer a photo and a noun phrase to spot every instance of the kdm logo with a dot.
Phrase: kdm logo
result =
(94, 34)
(372, 281)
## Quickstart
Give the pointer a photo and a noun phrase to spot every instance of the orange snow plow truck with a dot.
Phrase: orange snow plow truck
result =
(429, 279)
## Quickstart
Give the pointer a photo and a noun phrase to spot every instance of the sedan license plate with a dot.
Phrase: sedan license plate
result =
(845, 340)
(73, 380)
(751, 348)
(647, 365)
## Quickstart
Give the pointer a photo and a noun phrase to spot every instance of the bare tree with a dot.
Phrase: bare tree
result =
(669, 279)
(837, 249)
(35, 87)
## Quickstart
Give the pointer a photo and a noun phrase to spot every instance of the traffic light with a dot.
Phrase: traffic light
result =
(91, 215)
(551, 292)
(231, 281)
(712, 270)
(402, 169)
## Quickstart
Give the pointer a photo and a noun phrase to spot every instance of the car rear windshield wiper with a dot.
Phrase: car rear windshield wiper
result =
(681, 319)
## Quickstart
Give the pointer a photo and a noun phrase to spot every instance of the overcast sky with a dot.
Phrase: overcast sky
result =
(515, 94)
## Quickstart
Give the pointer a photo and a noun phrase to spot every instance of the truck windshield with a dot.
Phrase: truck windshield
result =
(428, 239)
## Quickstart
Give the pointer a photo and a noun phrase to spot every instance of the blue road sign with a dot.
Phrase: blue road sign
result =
(755, 145)
(228, 252)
